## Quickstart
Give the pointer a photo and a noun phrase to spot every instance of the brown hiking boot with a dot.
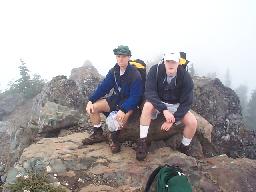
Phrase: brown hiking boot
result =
(184, 149)
(96, 137)
(141, 151)
(114, 143)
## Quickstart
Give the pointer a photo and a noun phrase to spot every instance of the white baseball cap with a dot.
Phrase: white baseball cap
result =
(172, 57)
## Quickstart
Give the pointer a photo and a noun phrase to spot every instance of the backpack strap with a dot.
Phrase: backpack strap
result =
(157, 69)
(130, 79)
(176, 168)
(160, 62)
(152, 178)
(113, 70)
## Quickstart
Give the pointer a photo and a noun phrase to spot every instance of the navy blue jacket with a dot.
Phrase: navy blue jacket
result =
(128, 88)
(180, 90)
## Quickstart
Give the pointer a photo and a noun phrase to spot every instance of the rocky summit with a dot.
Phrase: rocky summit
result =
(45, 135)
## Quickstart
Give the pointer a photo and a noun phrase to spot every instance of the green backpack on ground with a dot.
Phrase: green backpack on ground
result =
(169, 179)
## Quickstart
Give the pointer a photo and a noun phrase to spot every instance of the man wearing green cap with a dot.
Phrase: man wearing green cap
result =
(127, 87)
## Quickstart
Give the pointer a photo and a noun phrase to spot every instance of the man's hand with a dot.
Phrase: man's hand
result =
(120, 117)
(166, 126)
(90, 107)
(168, 116)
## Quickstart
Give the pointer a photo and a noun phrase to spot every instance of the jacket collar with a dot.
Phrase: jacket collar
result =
(162, 73)
(117, 69)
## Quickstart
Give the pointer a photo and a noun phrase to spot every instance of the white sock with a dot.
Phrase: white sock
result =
(97, 126)
(185, 141)
(144, 131)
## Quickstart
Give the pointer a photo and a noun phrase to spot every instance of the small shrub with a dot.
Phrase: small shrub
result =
(34, 183)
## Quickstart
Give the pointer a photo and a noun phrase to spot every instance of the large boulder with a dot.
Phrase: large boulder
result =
(221, 107)
(201, 144)
(4, 145)
(62, 91)
(218, 104)
(95, 168)
(54, 117)
(20, 139)
(131, 129)
(15, 134)
(61, 95)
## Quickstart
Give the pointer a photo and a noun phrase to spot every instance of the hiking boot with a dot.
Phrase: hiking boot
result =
(96, 137)
(184, 149)
(141, 151)
(114, 143)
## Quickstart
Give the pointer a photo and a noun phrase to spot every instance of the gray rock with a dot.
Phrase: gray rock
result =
(14, 134)
(37, 164)
(20, 139)
(58, 166)
(221, 107)
(97, 167)
(5, 141)
(86, 77)
(62, 91)
(12, 176)
(2, 167)
(8, 103)
(54, 117)
(3, 178)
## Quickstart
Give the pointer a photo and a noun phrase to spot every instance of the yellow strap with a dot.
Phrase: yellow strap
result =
(137, 65)
(182, 61)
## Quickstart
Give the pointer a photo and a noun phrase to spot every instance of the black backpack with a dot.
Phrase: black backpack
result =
(183, 60)
(140, 65)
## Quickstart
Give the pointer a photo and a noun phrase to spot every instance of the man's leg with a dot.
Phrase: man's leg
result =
(126, 117)
(114, 142)
(190, 122)
(145, 120)
(99, 107)
(97, 135)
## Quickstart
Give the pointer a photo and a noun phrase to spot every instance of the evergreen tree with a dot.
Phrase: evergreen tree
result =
(25, 85)
(250, 116)
(192, 69)
(227, 79)
(242, 92)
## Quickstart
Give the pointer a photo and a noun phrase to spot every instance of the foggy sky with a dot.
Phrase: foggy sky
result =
(53, 37)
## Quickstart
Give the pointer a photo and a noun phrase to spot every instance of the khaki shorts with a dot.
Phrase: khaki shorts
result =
(171, 107)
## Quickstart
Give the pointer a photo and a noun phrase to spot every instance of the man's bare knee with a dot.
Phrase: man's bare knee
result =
(190, 120)
(101, 106)
(148, 107)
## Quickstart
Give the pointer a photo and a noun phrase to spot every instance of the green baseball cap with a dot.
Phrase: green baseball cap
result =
(122, 50)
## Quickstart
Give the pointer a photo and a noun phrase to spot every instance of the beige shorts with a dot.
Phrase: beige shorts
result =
(171, 107)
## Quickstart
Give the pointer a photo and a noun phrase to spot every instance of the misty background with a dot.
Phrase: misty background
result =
(52, 37)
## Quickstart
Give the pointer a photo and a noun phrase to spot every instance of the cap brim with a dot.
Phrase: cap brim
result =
(126, 54)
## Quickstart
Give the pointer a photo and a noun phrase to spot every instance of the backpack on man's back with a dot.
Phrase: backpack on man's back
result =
(140, 65)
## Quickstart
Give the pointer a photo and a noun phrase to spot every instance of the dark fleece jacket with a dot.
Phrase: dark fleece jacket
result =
(180, 90)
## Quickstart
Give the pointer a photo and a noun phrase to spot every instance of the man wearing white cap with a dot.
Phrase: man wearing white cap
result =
(168, 90)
